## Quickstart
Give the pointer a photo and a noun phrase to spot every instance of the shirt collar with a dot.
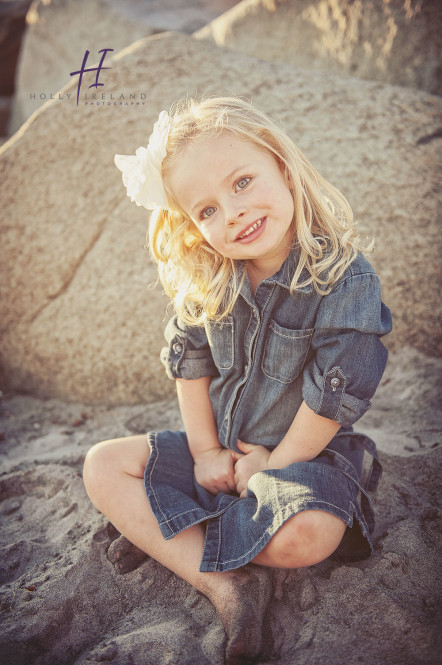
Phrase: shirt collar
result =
(283, 277)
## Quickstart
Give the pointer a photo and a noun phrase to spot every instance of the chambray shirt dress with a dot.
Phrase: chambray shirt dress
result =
(275, 350)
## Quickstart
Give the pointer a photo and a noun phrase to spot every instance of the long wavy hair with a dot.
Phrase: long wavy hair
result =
(202, 283)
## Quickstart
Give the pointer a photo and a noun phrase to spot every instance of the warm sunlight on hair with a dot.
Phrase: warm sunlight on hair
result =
(201, 282)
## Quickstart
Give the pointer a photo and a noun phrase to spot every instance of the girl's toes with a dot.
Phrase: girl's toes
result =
(125, 555)
(131, 561)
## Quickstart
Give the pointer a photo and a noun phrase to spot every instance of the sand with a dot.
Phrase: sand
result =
(64, 603)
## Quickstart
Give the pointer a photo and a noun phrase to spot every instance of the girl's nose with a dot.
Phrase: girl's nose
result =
(234, 214)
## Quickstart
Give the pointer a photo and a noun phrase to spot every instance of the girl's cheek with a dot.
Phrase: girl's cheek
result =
(209, 237)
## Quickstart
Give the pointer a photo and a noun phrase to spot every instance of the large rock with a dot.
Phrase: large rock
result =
(386, 40)
(78, 318)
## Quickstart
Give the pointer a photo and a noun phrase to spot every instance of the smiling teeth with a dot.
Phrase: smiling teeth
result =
(255, 226)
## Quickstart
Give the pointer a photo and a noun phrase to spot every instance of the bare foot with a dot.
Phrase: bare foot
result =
(125, 555)
(241, 602)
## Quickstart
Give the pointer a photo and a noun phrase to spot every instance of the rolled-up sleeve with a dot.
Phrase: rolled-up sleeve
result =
(187, 354)
(348, 358)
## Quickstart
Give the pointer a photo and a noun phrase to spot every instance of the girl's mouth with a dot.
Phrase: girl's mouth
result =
(252, 231)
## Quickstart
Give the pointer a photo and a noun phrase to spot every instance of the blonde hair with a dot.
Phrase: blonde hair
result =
(201, 283)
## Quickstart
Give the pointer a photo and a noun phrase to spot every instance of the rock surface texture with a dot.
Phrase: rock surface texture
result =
(385, 40)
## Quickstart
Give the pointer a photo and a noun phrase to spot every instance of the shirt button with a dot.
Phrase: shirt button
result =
(177, 347)
(335, 383)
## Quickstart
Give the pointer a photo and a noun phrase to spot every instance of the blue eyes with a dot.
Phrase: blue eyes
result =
(207, 212)
(239, 185)
(242, 182)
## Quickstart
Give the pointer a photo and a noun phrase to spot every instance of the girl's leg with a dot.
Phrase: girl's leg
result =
(113, 476)
(114, 480)
(305, 539)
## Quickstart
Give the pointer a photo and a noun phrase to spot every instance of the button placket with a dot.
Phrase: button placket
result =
(252, 332)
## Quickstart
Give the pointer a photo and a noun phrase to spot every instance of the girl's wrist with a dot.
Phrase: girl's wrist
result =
(200, 449)
(278, 460)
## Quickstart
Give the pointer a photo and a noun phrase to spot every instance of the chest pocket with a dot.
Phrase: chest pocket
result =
(285, 352)
(220, 336)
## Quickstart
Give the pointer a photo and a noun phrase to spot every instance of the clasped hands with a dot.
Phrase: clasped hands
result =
(224, 470)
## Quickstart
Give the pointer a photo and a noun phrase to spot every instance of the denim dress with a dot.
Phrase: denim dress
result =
(273, 351)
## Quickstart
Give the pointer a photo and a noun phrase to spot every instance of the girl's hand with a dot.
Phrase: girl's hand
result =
(254, 460)
(214, 469)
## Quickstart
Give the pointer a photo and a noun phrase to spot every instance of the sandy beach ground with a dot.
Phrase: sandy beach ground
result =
(63, 602)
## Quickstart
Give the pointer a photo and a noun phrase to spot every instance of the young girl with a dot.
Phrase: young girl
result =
(275, 351)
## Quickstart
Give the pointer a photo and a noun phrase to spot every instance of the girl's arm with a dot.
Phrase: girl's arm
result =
(307, 436)
(214, 468)
(196, 411)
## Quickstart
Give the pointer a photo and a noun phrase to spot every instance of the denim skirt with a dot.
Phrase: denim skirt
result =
(238, 529)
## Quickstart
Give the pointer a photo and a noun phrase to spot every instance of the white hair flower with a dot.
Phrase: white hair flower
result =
(142, 171)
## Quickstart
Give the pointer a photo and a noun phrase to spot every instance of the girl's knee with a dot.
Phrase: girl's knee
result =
(306, 539)
(95, 458)
(107, 461)
(95, 468)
